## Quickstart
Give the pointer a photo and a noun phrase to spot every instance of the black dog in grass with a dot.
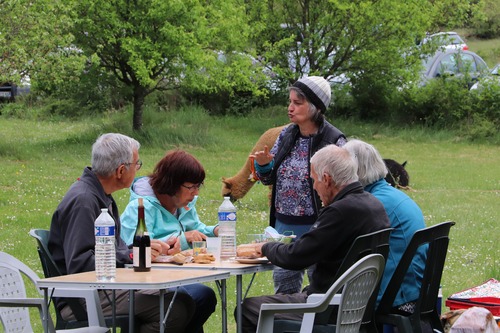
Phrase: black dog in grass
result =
(397, 175)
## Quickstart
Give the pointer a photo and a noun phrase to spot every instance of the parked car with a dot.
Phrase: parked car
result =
(449, 40)
(8, 91)
(454, 63)
(492, 78)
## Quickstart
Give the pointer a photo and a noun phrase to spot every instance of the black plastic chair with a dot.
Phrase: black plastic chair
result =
(50, 270)
(373, 243)
(425, 318)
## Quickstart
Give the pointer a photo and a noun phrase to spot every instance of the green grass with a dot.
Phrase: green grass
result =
(450, 180)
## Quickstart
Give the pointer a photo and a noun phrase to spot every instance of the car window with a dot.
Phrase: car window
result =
(448, 64)
(467, 63)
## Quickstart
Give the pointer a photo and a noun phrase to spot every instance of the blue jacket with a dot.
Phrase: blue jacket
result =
(406, 218)
(160, 222)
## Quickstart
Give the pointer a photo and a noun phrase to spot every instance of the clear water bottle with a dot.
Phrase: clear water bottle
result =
(227, 229)
(105, 253)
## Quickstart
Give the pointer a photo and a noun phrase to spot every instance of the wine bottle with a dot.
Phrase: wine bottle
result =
(142, 243)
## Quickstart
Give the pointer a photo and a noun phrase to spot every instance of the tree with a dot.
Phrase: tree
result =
(30, 30)
(355, 38)
(155, 44)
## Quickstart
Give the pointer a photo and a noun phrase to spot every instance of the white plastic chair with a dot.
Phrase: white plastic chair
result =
(357, 284)
(14, 315)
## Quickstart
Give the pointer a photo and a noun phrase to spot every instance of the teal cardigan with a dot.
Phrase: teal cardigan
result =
(160, 222)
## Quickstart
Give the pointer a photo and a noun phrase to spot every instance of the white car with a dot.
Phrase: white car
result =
(447, 40)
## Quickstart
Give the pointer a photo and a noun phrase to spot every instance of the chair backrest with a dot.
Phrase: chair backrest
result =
(357, 284)
(375, 242)
(360, 282)
(15, 318)
(436, 239)
(48, 265)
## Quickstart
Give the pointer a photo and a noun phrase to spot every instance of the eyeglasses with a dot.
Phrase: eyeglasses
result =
(194, 187)
(138, 164)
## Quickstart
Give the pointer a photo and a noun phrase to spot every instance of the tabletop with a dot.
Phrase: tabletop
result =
(126, 278)
(233, 267)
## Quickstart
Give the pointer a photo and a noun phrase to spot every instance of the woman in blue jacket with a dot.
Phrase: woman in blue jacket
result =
(170, 195)
(404, 215)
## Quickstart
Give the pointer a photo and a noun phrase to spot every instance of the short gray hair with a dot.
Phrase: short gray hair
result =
(110, 151)
(336, 162)
(371, 166)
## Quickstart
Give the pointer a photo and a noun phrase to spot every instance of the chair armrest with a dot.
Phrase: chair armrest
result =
(267, 312)
(24, 302)
(317, 297)
(94, 309)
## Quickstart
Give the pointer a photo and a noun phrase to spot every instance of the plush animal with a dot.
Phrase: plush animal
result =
(237, 186)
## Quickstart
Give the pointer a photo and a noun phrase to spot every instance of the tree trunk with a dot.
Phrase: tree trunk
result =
(139, 96)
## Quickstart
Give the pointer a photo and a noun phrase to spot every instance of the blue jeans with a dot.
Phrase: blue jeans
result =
(205, 300)
(287, 281)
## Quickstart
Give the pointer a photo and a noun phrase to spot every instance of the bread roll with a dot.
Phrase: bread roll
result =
(204, 258)
(246, 251)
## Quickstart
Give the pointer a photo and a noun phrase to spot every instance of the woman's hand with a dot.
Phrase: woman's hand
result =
(262, 157)
(194, 236)
(158, 247)
(175, 245)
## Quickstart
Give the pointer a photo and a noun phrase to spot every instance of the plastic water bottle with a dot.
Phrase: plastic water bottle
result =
(105, 253)
(227, 229)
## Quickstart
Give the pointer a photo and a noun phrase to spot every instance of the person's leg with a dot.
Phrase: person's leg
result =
(251, 309)
(147, 310)
(287, 281)
(205, 300)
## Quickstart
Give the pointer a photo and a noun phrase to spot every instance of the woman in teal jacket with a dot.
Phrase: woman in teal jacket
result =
(405, 217)
(170, 195)
(173, 218)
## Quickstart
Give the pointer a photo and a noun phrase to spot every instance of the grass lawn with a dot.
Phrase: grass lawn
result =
(449, 179)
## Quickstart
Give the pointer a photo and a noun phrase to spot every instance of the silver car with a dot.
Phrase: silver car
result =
(454, 63)
(449, 40)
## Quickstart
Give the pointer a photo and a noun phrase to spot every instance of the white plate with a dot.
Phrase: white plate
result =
(262, 260)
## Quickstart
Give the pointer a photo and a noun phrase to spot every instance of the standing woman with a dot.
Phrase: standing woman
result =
(170, 194)
(294, 203)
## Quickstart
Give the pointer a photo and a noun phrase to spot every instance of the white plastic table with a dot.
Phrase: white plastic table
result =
(127, 279)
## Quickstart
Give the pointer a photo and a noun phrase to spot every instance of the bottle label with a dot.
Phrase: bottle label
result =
(106, 231)
(227, 216)
(137, 257)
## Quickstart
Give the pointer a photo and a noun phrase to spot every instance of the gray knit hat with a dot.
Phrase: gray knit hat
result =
(316, 89)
